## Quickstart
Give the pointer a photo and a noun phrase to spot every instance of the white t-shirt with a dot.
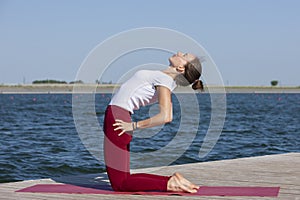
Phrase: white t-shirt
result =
(139, 90)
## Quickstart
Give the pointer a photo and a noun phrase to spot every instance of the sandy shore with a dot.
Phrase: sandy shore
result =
(94, 88)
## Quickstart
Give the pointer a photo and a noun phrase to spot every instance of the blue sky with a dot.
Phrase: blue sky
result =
(251, 41)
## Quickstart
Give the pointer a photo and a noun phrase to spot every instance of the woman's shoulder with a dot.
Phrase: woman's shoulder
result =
(149, 73)
(156, 77)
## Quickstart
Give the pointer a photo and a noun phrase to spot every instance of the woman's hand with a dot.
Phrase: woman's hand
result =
(124, 126)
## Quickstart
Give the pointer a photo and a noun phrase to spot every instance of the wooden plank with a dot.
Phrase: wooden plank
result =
(273, 170)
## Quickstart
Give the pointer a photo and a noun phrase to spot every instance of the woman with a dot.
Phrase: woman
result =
(145, 87)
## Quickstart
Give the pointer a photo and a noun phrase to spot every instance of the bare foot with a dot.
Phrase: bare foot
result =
(177, 183)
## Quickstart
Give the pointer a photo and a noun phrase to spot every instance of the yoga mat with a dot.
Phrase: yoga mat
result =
(203, 191)
(238, 191)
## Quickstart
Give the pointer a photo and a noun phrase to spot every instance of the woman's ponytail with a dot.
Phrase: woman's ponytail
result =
(198, 85)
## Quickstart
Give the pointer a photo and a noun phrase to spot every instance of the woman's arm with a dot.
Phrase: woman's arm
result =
(165, 114)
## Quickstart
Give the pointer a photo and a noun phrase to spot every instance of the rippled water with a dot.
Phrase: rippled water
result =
(38, 138)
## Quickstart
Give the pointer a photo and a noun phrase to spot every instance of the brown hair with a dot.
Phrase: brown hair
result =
(192, 73)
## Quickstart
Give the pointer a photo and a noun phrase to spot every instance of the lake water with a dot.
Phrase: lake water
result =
(38, 137)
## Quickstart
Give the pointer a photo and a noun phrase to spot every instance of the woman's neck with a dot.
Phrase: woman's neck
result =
(171, 71)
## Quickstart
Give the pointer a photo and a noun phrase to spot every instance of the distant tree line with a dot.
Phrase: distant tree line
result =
(274, 83)
(74, 82)
(49, 81)
(103, 82)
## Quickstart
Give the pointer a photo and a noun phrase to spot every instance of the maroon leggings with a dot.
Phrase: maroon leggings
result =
(117, 157)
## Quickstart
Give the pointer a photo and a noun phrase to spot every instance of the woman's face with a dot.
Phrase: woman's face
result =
(181, 59)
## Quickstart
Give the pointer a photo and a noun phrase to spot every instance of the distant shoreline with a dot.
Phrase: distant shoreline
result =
(110, 88)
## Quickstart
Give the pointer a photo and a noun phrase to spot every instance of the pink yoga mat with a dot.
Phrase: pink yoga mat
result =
(203, 191)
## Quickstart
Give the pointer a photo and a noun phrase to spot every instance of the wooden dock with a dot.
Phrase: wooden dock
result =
(273, 170)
